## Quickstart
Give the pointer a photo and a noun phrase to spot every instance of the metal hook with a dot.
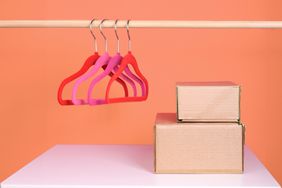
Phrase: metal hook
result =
(105, 38)
(117, 35)
(95, 40)
(128, 35)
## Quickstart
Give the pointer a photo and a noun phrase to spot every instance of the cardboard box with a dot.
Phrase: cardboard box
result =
(197, 147)
(208, 102)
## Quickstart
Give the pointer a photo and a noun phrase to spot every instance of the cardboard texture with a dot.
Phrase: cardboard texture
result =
(197, 147)
(208, 102)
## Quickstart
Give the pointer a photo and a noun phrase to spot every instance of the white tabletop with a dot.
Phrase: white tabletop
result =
(80, 166)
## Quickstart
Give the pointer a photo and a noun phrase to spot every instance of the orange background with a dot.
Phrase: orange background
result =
(34, 61)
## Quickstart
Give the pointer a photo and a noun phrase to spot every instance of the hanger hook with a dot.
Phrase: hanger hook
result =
(128, 35)
(95, 40)
(118, 44)
(105, 38)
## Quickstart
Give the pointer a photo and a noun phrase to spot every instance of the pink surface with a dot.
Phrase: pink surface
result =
(79, 166)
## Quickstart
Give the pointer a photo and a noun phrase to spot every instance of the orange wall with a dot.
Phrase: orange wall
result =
(34, 61)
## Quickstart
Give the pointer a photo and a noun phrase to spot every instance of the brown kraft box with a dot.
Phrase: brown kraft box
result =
(208, 101)
(197, 147)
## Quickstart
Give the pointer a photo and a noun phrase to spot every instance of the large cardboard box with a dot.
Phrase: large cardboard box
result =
(208, 101)
(197, 147)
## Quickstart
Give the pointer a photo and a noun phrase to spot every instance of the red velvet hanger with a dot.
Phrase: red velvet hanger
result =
(129, 59)
(90, 61)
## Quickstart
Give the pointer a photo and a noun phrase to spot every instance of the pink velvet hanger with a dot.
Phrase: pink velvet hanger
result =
(94, 69)
(102, 61)
(114, 61)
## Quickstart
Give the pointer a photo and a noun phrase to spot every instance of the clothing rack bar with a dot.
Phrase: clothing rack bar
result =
(140, 24)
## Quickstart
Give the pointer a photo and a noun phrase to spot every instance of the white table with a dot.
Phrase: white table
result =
(81, 166)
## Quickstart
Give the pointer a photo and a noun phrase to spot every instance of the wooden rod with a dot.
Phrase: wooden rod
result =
(140, 24)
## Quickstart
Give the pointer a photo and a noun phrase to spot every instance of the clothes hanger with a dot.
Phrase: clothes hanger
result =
(132, 76)
(129, 59)
(113, 63)
(101, 62)
(87, 64)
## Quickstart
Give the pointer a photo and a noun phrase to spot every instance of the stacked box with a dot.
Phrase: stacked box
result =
(197, 147)
(208, 101)
(205, 135)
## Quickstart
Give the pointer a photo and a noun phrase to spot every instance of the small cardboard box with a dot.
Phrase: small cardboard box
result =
(208, 102)
(197, 147)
